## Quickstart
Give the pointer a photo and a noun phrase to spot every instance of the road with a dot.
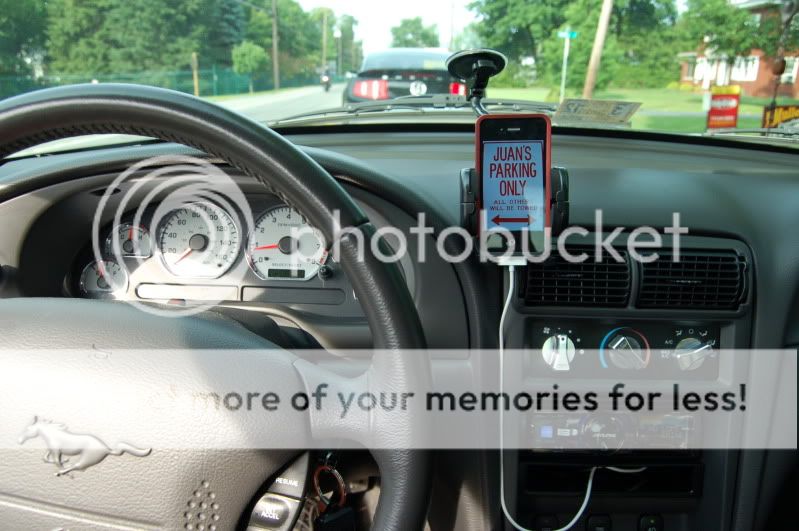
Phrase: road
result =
(289, 102)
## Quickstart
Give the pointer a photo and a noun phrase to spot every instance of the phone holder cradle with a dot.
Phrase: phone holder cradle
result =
(558, 200)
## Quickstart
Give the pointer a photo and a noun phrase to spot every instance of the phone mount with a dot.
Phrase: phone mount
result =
(558, 200)
(476, 68)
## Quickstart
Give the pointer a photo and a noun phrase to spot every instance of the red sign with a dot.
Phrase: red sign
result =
(724, 102)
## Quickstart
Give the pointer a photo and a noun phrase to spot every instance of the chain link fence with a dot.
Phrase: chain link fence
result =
(212, 81)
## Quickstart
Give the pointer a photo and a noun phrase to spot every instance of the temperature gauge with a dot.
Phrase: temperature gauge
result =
(129, 240)
(103, 280)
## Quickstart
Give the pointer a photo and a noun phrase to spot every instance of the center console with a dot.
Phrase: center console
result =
(648, 324)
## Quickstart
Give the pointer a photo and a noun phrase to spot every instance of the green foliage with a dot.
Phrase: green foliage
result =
(469, 37)
(640, 49)
(249, 58)
(22, 35)
(518, 28)
(720, 26)
(100, 39)
(412, 33)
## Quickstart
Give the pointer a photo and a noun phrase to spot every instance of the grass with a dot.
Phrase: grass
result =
(655, 100)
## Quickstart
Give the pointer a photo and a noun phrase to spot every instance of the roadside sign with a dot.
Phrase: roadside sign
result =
(781, 116)
(724, 103)
(567, 34)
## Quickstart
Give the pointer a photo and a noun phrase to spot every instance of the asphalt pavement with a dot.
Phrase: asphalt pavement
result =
(267, 106)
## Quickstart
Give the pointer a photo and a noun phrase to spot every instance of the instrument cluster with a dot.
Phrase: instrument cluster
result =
(200, 243)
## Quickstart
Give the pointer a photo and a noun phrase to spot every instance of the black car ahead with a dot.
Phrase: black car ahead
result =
(402, 72)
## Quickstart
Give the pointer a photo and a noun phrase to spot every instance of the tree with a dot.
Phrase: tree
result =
(249, 59)
(22, 35)
(640, 50)
(225, 20)
(412, 33)
(729, 31)
(300, 36)
(350, 53)
(518, 28)
(469, 37)
(721, 27)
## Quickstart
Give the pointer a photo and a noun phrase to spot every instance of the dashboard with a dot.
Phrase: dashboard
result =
(740, 206)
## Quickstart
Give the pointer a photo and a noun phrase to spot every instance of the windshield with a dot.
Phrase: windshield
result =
(726, 66)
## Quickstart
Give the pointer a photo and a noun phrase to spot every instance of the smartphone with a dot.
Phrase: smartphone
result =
(513, 170)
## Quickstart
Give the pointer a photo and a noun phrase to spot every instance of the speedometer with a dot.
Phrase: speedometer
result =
(200, 240)
(284, 246)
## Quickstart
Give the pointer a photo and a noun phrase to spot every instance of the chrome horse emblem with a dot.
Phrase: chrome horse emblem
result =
(60, 442)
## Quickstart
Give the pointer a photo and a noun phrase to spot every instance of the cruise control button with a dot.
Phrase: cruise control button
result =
(291, 482)
(270, 512)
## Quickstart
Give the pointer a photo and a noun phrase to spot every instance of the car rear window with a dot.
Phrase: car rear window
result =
(412, 60)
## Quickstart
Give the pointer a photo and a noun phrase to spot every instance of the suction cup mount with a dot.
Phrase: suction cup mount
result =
(476, 68)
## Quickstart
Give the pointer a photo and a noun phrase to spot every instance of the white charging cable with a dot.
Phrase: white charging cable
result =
(588, 487)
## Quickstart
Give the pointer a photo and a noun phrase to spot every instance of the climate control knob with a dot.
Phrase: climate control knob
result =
(691, 352)
(558, 352)
(626, 348)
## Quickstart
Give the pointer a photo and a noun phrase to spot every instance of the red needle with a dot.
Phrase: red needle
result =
(265, 247)
(184, 254)
(130, 233)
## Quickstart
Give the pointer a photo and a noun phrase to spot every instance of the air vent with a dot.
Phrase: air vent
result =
(558, 282)
(711, 280)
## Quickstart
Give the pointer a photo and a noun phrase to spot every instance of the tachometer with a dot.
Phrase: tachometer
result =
(103, 279)
(284, 246)
(200, 240)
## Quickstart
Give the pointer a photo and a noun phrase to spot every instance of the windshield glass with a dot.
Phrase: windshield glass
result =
(726, 67)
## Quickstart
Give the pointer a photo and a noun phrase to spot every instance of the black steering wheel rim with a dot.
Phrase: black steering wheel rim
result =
(52, 114)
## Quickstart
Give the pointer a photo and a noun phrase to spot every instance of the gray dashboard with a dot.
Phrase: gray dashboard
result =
(742, 198)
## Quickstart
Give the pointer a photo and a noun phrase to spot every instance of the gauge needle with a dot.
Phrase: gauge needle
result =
(184, 254)
(130, 234)
(265, 247)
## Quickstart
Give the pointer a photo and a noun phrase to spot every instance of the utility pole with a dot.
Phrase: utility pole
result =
(195, 74)
(275, 57)
(324, 39)
(337, 36)
(596, 52)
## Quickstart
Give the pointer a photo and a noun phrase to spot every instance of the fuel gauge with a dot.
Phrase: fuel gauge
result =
(104, 279)
(129, 240)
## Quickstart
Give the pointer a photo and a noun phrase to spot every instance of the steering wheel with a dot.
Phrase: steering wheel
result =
(154, 491)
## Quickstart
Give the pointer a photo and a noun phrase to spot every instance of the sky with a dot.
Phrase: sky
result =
(376, 18)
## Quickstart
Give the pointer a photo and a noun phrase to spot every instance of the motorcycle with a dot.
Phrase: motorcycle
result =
(325, 79)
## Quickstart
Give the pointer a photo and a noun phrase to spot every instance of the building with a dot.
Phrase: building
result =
(752, 73)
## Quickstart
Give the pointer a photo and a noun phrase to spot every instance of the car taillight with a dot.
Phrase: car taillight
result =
(458, 89)
(372, 89)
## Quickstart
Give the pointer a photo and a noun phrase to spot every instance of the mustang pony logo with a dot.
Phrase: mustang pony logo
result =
(89, 449)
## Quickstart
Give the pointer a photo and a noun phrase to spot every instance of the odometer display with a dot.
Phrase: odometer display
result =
(283, 246)
(287, 273)
(200, 240)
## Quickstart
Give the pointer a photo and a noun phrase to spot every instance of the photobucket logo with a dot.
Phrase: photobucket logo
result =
(182, 212)
(641, 243)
